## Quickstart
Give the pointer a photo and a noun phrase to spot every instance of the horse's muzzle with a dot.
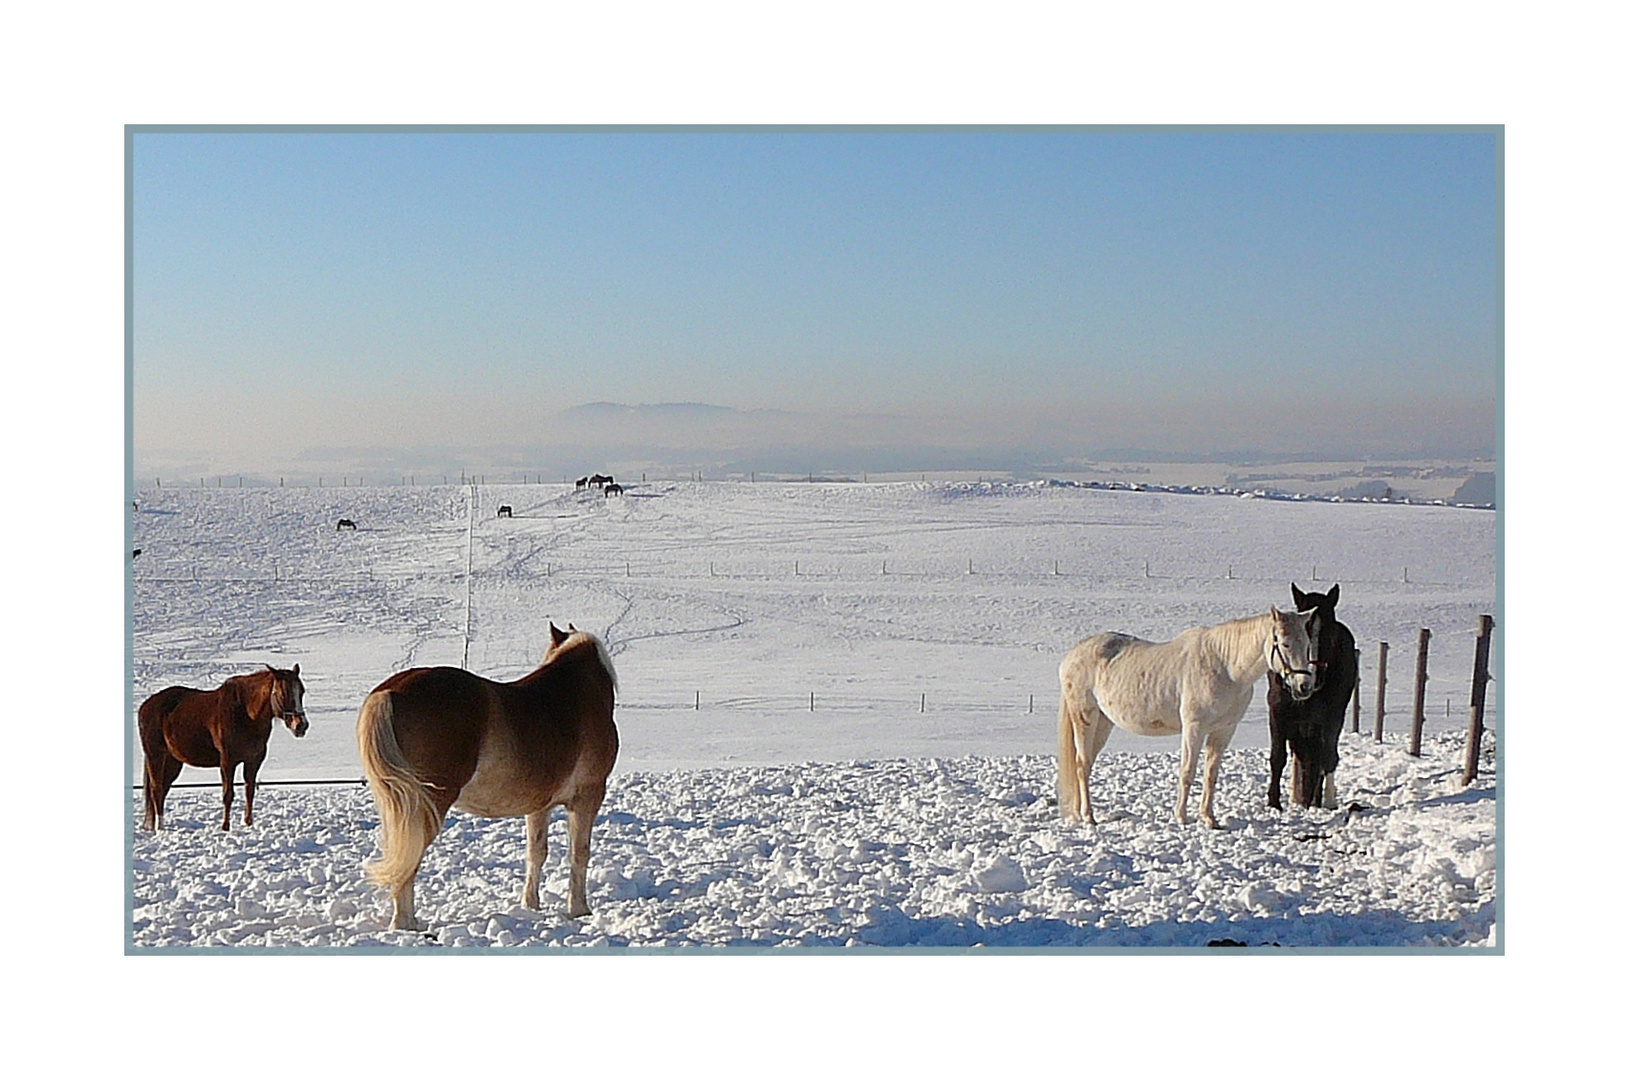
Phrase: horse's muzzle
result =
(1300, 684)
(296, 723)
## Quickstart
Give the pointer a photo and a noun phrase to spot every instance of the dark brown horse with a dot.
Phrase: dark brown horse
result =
(435, 738)
(1312, 725)
(216, 728)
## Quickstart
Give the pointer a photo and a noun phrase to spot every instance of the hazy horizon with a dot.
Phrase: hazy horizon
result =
(839, 300)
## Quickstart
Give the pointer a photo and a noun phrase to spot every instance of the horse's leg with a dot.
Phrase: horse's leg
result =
(401, 907)
(537, 849)
(251, 766)
(1331, 758)
(1092, 738)
(1308, 770)
(1215, 743)
(579, 821)
(1276, 764)
(1190, 761)
(159, 773)
(228, 767)
(169, 772)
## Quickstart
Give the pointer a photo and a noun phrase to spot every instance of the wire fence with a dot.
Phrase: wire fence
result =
(1119, 569)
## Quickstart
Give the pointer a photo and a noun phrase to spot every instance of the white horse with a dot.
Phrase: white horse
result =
(1197, 685)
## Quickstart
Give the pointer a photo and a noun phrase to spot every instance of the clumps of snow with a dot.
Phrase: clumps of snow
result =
(909, 852)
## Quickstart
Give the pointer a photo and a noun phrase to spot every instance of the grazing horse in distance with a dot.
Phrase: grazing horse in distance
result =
(582, 482)
(216, 728)
(506, 511)
(345, 523)
(1312, 725)
(600, 480)
(435, 738)
(612, 489)
(1196, 685)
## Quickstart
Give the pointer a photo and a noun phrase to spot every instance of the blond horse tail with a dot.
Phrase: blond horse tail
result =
(408, 819)
(1068, 757)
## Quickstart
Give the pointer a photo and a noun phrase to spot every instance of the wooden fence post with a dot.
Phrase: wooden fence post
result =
(1357, 687)
(1479, 687)
(1380, 695)
(1419, 694)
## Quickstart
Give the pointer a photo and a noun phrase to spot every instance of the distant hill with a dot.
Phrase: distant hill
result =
(669, 411)
(1480, 489)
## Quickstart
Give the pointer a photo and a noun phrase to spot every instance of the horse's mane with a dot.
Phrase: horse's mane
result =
(578, 641)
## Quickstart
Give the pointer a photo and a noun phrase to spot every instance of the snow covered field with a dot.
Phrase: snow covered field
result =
(911, 805)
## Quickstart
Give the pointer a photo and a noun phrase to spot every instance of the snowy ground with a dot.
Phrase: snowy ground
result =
(922, 617)
(920, 852)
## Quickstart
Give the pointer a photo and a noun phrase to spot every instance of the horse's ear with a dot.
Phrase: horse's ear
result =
(1334, 594)
(296, 670)
(572, 627)
(1298, 596)
(556, 634)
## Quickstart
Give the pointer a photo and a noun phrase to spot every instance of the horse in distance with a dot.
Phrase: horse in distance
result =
(432, 739)
(1197, 685)
(216, 729)
(345, 523)
(505, 510)
(1312, 725)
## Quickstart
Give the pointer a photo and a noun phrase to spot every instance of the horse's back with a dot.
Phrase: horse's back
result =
(439, 717)
(179, 718)
(1136, 683)
(160, 705)
(507, 749)
(565, 710)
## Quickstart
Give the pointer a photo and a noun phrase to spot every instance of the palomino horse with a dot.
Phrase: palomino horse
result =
(1196, 685)
(435, 738)
(1312, 726)
(219, 727)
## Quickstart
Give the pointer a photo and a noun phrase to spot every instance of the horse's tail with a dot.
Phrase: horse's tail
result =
(408, 818)
(1068, 756)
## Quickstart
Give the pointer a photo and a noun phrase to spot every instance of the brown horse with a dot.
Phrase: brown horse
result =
(435, 738)
(216, 728)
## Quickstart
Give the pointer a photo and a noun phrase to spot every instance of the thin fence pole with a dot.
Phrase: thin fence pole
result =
(1419, 694)
(1380, 695)
(1479, 688)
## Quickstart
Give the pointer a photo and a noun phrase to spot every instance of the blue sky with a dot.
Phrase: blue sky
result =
(1033, 293)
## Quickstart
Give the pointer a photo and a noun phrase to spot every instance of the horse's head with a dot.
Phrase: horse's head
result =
(1307, 601)
(1290, 652)
(288, 699)
(1320, 627)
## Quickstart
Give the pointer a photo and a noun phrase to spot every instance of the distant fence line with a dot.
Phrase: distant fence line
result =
(795, 569)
